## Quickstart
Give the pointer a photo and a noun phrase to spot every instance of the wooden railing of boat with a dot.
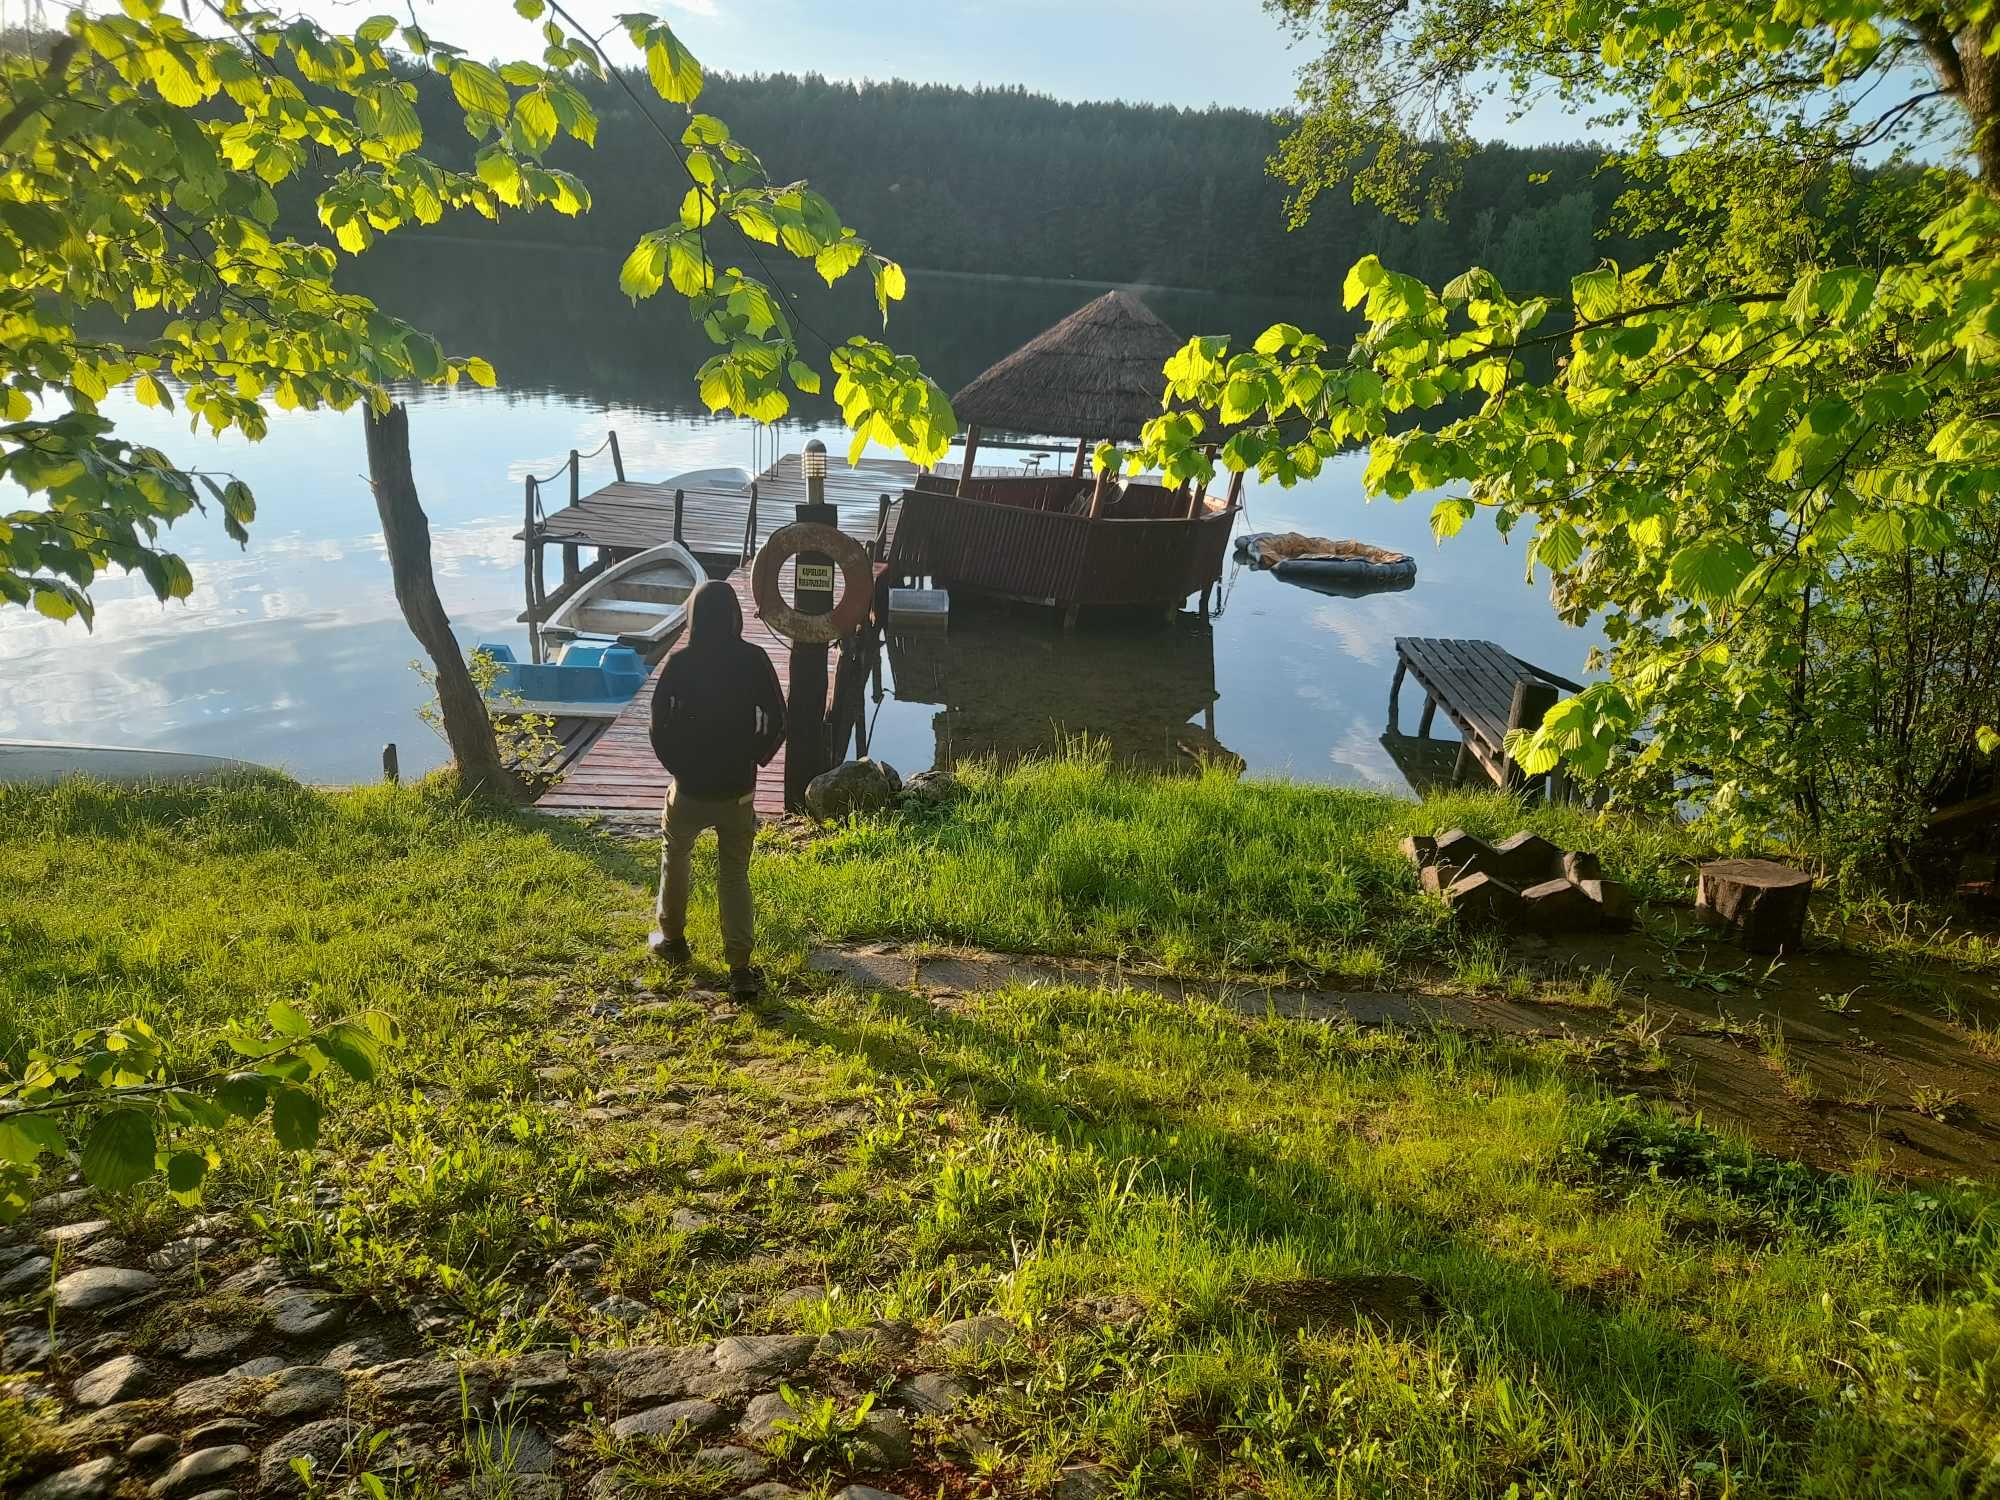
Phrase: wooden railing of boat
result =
(1032, 538)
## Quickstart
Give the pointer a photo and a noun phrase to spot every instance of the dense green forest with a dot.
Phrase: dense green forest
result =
(1005, 181)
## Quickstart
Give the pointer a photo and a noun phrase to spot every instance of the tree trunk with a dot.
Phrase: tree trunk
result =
(406, 533)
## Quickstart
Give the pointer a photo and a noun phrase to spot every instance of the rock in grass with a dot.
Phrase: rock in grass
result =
(675, 1419)
(198, 1471)
(1083, 1482)
(25, 1275)
(153, 1448)
(319, 1444)
(763, 1358)
(934, 1395)
(180, 1253)
(207, 1397)
(115, 1380)
(978, 1335)
(886, 1435)
(762, 1417)
(865, 1492)
(84, 1482)
(103, 1289)
(855, 786)
(732, 1462)
(652, 1373)
(72, 1235)
(24, 1347)
(884, 1335)
(296, 1313)
(305, 1391)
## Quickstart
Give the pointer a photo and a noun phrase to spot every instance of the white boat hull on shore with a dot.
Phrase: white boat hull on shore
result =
(46, 762)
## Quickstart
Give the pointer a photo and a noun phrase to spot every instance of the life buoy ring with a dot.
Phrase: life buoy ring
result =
(857, 579)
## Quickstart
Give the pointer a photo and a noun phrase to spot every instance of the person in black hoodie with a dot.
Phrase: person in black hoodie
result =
(718, 714)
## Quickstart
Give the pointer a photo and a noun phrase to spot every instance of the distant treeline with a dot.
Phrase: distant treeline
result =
(1004, 181)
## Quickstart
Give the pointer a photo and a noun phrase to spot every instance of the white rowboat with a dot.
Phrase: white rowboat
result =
(642, 599)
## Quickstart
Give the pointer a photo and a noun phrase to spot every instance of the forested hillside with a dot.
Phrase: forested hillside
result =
(1004, 181)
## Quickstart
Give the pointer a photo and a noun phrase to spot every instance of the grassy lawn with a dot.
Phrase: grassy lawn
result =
(1243, 1255)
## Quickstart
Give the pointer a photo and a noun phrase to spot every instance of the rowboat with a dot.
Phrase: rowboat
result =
(641, 601)
(45, 762)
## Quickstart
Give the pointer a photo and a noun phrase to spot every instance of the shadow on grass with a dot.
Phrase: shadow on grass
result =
(1647, 1390)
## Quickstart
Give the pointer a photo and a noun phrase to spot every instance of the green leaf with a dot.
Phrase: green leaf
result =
(478, 89)
(1710, 571)
(1595, 293)
(185, 1172)
(1448, 516)
(673, 69)
(644, 272)
(120, 1151)
(1366, 274)
(354, 1049)
(295, 1117)
(23, 1138)
(1558, 546)
(804, 376)
(1989, 740)
(287, 1020)
(375, 30)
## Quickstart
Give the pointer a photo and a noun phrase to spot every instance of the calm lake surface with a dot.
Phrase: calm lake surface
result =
(293, 653)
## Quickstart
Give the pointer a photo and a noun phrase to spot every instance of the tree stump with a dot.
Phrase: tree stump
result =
(1764, 901)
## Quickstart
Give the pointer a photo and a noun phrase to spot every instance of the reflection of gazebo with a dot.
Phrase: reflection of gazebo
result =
(1069, 540)
(1009, 693)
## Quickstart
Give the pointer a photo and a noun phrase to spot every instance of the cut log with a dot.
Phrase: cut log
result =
(1613, 898)
(1527, 859)
(1559, 906)
(1485, 899)
(1420, 849)
(1763, 901)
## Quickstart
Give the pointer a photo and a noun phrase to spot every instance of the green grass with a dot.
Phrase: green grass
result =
(1070, 857)
(1249, 1256)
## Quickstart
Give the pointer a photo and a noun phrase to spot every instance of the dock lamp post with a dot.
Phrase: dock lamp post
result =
(812, 594)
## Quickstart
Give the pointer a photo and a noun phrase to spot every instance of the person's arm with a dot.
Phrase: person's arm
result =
(770, 710)
(668, 719)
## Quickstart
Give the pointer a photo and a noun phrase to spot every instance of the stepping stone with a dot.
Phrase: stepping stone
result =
(211, 1395)
(26, 1275)
(56, 1205)
(103, 1288)
(675, 1419)
(739, 1464)
(886, 1335)
(652, 1374)
(296, 1313)
(72, 1235)
(305, 1391)
(762, 1416)
(261, 1368)
(934, 1395)
(105, 1250)
(209, 1341)
(109, 1424)
(116, 1380)
(865, 1492)
(978, 1333)
(320, 1444)
(24, 1347)
(358, 1354)
(887, 1435)
(1083, 1482)
(180, 1253)
(195, 1473)
(153, 1448)
(84, 1482)
(765, 1357)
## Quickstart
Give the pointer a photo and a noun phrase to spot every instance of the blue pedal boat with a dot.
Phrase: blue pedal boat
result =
(587, 680)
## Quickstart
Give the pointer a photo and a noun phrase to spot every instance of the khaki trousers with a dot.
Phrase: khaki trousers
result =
(682, 821)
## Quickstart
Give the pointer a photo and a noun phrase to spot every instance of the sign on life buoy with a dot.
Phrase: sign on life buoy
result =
(857, 575)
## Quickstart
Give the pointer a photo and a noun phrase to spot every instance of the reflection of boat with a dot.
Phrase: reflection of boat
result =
(1331, 567)
(45, 762)
(1070, 540)
(1009, 693)
(642, 600)
(587, 680)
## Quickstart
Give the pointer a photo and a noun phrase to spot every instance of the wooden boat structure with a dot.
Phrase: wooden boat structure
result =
(1076, 541)
(47, 762)
(641, 602)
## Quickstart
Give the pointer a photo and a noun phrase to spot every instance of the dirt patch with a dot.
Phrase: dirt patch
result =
(1309, 1304)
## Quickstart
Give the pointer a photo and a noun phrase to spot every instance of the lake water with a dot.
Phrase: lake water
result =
(293, 653)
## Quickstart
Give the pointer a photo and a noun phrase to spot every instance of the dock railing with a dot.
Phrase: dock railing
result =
(534, 522)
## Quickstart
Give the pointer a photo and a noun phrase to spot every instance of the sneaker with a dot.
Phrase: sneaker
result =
(670, 950)
(745, 983)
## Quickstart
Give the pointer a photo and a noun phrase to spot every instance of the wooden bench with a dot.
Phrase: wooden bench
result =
(1484, 690)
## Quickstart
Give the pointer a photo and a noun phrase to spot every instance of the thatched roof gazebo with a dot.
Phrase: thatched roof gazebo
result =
(1096, 374)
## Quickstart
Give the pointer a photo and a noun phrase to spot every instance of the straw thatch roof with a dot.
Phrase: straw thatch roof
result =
(1096, 374)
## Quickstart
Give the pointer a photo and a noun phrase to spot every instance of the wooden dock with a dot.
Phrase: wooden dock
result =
(619, 778)
(1484, 689)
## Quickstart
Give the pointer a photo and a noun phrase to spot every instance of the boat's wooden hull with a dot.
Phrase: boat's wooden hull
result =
(641, 601)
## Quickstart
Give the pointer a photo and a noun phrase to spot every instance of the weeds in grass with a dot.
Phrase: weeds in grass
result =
(1939, 1103)
(820, 1434)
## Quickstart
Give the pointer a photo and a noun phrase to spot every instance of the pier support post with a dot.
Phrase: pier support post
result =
(617, 458)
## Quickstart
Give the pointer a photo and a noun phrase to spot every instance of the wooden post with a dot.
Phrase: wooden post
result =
(571, 561)
(391, 771)
(1097, 494)
(1429, 713)
(971, 452)
(680, 508)
(1532, 701)
(881, 548)
(1395, 696)
(1206, 590)
(617, 459)
(1236, 489)
(1082, 449)
(575, 477)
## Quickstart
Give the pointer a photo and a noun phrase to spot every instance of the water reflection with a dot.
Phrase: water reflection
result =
(1009, 689)
(294, 652)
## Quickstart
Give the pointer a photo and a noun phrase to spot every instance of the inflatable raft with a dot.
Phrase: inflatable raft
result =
(1329, 566)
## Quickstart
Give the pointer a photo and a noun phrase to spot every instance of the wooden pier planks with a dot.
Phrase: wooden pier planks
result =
(630, 516)
(619, 779)
(1473, 682)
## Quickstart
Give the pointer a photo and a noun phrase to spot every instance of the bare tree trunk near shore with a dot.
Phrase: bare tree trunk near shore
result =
(406, 532)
